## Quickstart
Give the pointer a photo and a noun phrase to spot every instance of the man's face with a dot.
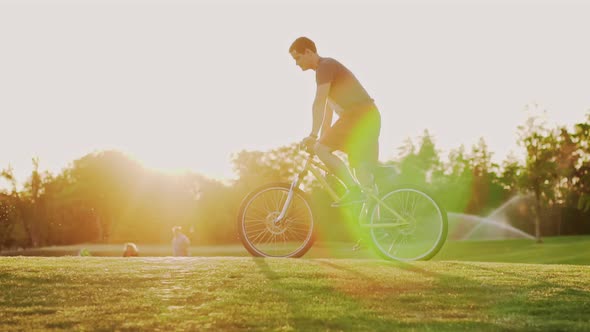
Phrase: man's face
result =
(303, 60)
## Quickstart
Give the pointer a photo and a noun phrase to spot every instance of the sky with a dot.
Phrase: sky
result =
(181, 85)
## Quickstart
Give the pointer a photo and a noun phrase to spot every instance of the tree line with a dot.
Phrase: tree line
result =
(107, 197)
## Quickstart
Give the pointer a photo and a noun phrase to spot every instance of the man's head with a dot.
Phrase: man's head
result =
(304, 53)
(176, 230)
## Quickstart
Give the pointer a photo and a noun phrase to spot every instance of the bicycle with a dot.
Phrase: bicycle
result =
(404, 224)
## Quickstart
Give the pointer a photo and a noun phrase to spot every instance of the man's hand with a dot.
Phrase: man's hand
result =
(309, 142)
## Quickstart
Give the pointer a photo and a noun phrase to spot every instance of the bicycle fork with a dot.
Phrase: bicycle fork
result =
(294, 185)
(287, 204)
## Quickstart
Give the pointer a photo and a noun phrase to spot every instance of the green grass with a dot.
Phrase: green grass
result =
(243, 293)
(331, 289)
(554, 250)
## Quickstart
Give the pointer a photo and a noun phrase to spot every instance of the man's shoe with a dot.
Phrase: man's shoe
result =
(352, 196)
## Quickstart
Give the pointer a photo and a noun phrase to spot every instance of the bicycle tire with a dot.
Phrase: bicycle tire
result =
(430, 208)
(300, 202)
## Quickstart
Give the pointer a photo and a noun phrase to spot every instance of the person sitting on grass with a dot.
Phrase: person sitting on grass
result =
(180, 242)
(130, 250)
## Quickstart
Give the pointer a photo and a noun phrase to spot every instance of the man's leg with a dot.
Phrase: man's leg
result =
(335, 165)
(363, 152)
(364, 174)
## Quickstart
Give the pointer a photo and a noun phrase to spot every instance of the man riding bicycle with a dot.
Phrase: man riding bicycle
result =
(402, 223)
(356, 132)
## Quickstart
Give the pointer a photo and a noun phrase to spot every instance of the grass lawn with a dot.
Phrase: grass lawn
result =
(243, 293)
(554, 250)
(515, 285)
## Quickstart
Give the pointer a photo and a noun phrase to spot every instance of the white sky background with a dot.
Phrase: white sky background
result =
(182, 85)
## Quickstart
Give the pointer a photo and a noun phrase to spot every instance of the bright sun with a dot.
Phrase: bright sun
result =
(178, 162)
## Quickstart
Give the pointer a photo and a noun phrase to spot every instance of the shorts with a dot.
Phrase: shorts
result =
(357, 134)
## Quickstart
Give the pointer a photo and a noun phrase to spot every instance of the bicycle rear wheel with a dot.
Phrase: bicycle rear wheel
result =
(420, 232)
(261, 236)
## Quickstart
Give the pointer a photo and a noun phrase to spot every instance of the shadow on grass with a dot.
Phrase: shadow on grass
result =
(437, 301)
(541, 299)
(17, 305)
(11, 285)
(315, 304)
(360, 301)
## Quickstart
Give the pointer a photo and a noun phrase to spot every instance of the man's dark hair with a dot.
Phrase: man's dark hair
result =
(301, 44)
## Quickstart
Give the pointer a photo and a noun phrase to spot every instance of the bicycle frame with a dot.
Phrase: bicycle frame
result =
(314, 167)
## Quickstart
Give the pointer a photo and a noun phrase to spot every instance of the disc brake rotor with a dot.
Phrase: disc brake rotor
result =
(276, 228)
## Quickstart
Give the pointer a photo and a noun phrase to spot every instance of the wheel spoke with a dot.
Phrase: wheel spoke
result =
(285, 238)
(259, 235)
(255, 231)
(392, 243)
(422, 235)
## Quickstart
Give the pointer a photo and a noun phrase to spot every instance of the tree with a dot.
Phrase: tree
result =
(255, 168)
(486, 191)
(7, 220)
(33, 189)
(20, 206)
(581, 177)
(539, 174)
(455, 184)
(417, 166)
(511, 174)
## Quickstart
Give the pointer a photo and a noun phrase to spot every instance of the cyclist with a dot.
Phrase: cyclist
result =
(356, 132)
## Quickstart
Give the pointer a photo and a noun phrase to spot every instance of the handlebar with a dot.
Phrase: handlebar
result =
(305, 148)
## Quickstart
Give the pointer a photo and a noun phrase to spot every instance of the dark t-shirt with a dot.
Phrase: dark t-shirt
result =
(345, 89)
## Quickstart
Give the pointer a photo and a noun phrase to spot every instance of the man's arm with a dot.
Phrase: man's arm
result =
(327, 123)
(320, 111)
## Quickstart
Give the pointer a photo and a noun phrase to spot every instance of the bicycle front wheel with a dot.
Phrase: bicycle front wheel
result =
(408, 225)
(262, 236)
